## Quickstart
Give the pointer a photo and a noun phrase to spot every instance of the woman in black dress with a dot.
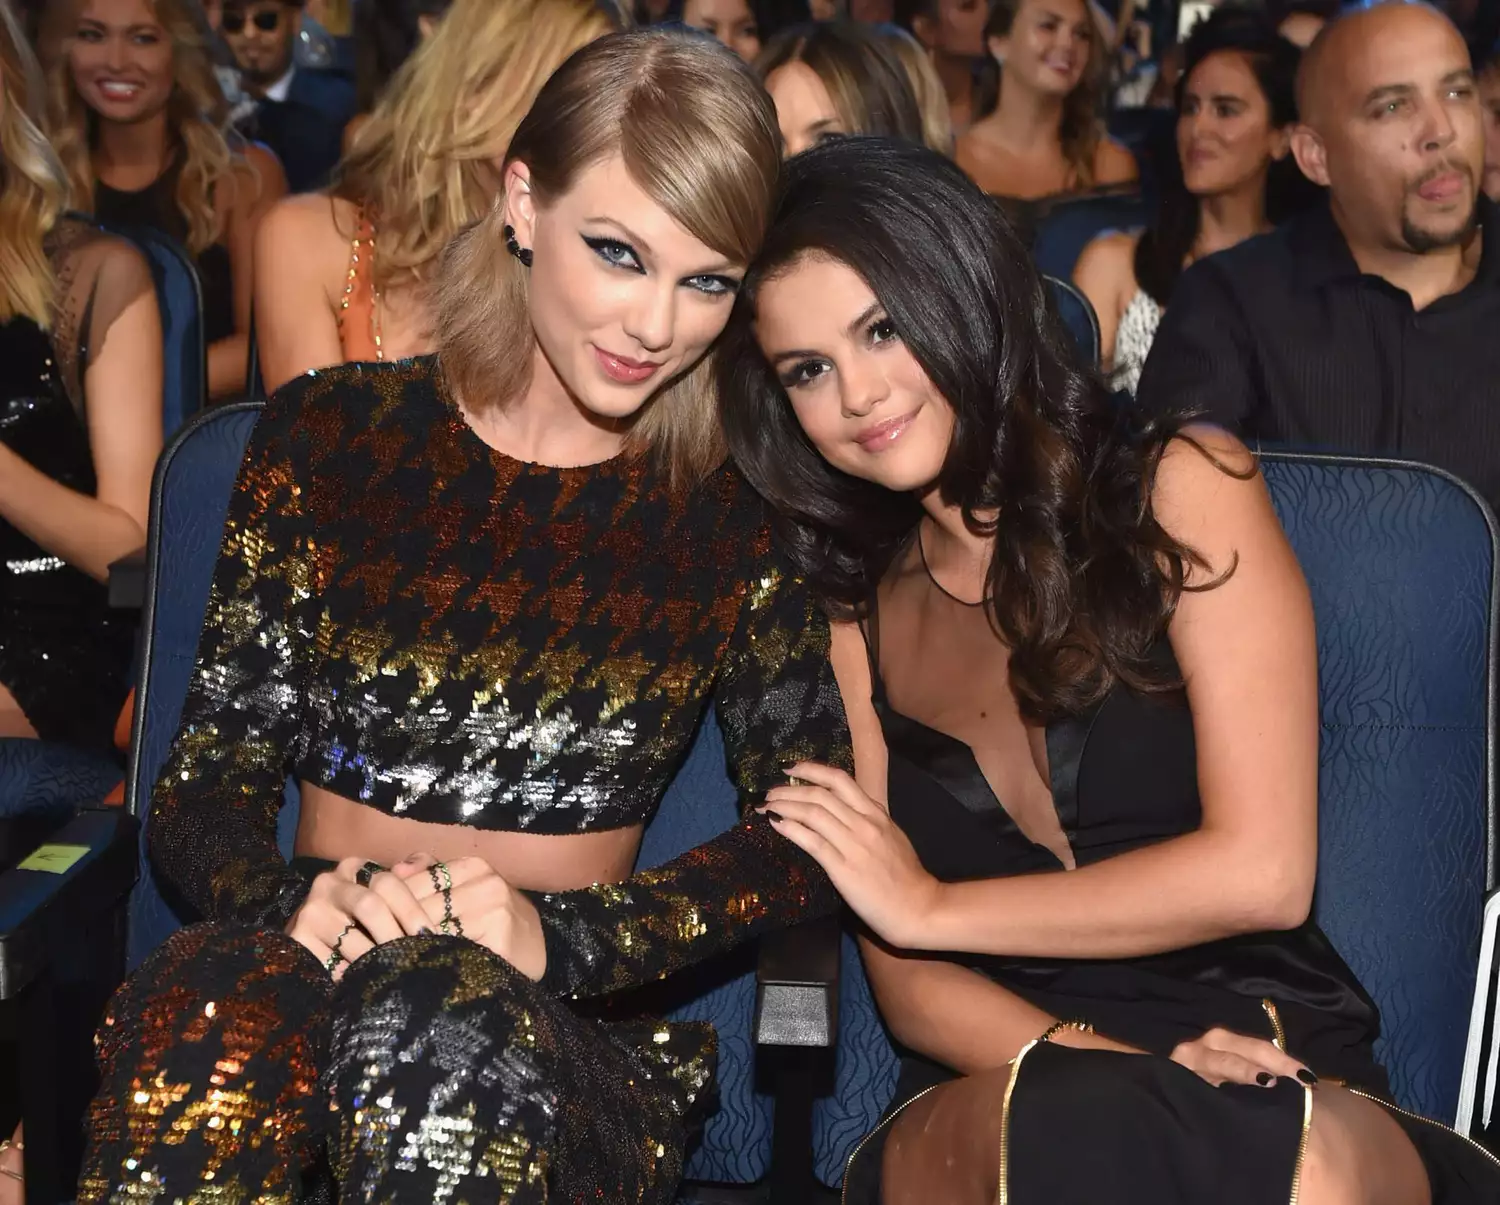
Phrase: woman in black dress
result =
(80, 429)
(1090, 655)
(141, 126)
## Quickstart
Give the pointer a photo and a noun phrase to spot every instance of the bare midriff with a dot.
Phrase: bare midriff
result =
(333, 827)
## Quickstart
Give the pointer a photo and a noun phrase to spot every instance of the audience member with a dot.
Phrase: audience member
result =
(872, 12)
(1236, 106)
(1356, 327)
(837, 78)
(1489, 98)
(1300, 21)
(483, 601)
(346, 276)
(1059, 856)
(386, 32)
(742, 25)
(80, 391)
(138, 120)
(932, 100)
(952, 32)
(300, 113)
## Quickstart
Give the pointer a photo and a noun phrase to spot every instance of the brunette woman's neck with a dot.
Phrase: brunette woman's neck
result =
(956, 556)
(1229, 219)
(131, 155)
(1024, 121)
(957, 75)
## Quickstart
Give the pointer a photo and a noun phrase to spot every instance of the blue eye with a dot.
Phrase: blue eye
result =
(615, 253)
(713, 286)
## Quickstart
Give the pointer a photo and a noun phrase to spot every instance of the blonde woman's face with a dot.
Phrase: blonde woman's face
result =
(121, 60)
(730, 21)
(804, 110)
(623, 300)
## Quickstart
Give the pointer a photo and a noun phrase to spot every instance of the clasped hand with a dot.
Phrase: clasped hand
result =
(869, 860)
(408, 899)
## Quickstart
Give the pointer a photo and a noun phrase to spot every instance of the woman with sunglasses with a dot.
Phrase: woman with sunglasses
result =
(141, 125)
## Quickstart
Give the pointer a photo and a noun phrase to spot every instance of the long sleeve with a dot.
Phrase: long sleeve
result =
(1201, 362)
(212, 829)
(778, 704)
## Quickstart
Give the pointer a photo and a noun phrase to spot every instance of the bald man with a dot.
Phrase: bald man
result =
(1372, 323)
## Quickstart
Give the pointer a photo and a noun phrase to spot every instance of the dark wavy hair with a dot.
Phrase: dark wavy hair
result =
(1083, 579)
(1161, 250)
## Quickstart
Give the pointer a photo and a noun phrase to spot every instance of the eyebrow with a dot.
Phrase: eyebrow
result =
(853, 328)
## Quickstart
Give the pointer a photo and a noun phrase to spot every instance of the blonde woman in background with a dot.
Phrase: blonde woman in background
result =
(140, 124)
(926, 86)
(346, 276)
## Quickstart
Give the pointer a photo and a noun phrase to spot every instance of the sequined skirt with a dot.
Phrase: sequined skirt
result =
(231, 1064)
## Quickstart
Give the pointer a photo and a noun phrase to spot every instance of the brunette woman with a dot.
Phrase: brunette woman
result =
(478, 604)
(139, 122)
(1082, 681)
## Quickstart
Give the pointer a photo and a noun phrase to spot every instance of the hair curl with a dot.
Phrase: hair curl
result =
(1083, 579)
(33, 184)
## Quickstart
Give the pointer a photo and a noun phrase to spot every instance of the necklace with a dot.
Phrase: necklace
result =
(931, 577)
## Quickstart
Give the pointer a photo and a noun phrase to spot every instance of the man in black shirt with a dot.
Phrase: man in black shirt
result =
(1371, 324)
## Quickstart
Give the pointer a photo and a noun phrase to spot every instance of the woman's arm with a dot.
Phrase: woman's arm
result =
(1114, 164)
(259, 185)
(122, 385)
(1105, 275)
(298, 253)
(1247, 653)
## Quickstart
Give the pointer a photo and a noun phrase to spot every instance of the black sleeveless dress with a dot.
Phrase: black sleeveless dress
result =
(155, 208)
(1123, 775)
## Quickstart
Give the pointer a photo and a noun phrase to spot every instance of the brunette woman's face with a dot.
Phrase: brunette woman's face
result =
(623, 299)
(1047, 47)
(1225, 138)
(121, 60)
(804, 110)
(862, 399)
(730, 21)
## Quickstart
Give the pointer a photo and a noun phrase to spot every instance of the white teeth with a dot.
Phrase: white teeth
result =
(113, 88)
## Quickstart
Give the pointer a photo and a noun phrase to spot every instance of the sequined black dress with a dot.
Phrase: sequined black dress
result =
(414, 621)
(64, 655)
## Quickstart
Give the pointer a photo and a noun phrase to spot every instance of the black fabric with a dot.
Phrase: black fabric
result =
(1284, 341)
(306, 130)
(155, 207)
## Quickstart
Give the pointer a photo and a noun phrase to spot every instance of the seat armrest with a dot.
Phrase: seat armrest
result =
(127, 581)
(1476, 1092)
(797, 985)
(41, 907)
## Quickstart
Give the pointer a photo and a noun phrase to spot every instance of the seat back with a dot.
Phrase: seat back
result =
(1072, 224)
(190, 496)
(179, 294)
(1077, 315)
(1401, 562)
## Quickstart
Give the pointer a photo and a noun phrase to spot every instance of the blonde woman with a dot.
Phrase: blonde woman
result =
(926, 86)
(139, 122)
(80, 395)
(478, 604)
(347, 276)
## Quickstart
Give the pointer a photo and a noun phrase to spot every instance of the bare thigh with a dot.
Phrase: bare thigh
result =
(13, 721)
(945, 1146)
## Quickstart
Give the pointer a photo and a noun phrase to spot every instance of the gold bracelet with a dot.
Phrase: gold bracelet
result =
(1058, 1027)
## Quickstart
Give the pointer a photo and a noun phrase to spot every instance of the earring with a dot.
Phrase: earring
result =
(521, 253)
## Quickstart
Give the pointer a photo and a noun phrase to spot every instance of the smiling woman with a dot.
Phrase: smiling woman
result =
(478, 603)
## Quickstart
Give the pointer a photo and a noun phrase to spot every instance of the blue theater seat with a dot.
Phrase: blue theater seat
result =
(749, 1004)
(1401, 562)
(1077, 316)
(1070, 225)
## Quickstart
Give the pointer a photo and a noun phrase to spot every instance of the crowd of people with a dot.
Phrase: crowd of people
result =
(626, 361)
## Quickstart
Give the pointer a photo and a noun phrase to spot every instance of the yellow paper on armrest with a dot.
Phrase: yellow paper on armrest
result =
(54, 859)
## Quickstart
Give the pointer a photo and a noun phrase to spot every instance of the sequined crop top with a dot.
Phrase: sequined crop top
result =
(415, 621)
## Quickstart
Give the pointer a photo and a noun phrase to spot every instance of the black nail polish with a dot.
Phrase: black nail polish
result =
(770, 815)
(1307, 1077)
(1264, 1079)
(424, 931)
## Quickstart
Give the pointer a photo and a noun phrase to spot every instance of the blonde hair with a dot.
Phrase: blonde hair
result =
(197, 114)
(932, 98)
(698, 135)
(425, 163)
(33, 185)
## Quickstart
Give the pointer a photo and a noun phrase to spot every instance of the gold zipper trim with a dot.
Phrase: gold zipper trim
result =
(1307, 1114)
(1002, 1193)
(1385, 1104)
(863, 1142)
(1278, 1031)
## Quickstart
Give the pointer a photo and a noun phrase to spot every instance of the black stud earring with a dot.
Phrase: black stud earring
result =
(521, 253)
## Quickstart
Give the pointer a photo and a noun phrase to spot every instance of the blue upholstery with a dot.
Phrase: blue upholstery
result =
(1078, 316)
(1400, 560)
(189, 499)
(180, 297)
(1071, 225)
(38, 777)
